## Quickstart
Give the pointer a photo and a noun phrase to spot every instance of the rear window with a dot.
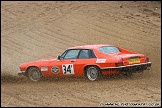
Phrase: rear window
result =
(109, 49)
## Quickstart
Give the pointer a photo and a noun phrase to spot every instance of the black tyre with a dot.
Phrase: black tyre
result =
(93, 73)
(34, 74)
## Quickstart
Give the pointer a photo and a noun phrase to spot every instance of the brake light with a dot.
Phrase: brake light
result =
(147, 59)
(120, 62)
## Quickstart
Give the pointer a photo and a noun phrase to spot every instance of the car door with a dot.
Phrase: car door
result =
(86, 57)
(66, 64)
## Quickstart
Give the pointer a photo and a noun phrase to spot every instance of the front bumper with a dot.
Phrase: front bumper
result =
(134, 67)
(21, 73)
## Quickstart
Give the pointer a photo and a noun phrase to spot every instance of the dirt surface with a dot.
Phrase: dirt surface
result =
(35, 30)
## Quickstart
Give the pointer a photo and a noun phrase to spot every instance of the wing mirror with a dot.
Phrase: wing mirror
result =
(58, 57)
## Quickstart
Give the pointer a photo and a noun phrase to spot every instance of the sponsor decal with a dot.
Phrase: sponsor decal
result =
(68, 69)
(55, 69)
(44, 68)
(100, 60)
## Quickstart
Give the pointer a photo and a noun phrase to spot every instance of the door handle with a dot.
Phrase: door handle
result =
(72, 60)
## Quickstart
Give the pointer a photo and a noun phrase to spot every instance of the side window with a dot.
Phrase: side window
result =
(84, 54)
(92, 54)
(63, 55)
(108, 49)
(71, 54)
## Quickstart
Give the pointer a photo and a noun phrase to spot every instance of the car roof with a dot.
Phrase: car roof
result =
(89, 46)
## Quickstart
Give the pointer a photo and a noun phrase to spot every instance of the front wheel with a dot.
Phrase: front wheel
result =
(93, 73)
(34, 74)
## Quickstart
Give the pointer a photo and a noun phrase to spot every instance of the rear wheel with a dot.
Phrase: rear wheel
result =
(93, 73)
(34, 74)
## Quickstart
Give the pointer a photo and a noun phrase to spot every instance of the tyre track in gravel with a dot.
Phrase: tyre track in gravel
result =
(102, 22)
(61, 93)
(25, 97)
(18, 47)
(148, 93)
(74, 95)
(63, 12)
(21, 100)
(15, 50)
(117, 18)
(59, 18)
(18, 25)
(113, 35)
(42, 39)
(10, 14)
(54, 33)
(69, 38)
(20, 20)
(134, 27)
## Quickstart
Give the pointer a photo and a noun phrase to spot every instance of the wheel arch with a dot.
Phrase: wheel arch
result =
(32, 67)
(90, 66)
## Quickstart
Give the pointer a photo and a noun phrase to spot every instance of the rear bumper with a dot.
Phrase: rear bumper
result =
(134, 67)
(21, 73)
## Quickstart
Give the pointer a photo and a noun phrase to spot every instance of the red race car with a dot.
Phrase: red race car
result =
(90, 61)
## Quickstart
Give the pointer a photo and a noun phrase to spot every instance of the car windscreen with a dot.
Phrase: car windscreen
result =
(109, 49)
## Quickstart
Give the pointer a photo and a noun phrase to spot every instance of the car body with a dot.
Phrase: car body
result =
(91, 61)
